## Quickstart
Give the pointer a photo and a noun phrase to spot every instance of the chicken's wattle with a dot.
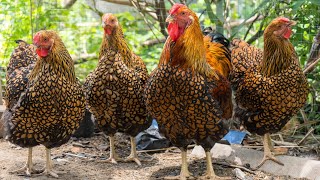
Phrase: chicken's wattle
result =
(287, 34)
(42, 52)
(108, 31)
(173, 30)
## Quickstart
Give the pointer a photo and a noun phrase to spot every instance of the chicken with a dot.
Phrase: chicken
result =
(45, 102)
(21, 62)
(114, 90)
(189, 93)
(269, 85)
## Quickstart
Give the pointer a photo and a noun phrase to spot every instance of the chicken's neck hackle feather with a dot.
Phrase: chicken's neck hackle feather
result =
(59, 60)
(117, 43)
(278, 54)
(189, 50)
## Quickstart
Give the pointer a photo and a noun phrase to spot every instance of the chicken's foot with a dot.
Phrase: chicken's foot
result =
(210, 172)
(184, 174)
(48, 170)
(114, 158)
(28, 169)
(268, 152)
(133, 155)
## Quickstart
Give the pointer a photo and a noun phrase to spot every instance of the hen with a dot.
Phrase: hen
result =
(114, 89)
(45, 101)
(269, 85)
(189, 93)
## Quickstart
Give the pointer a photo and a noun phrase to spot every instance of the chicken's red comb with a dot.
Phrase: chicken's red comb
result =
(106, 16)
(283, 19)
(36, 38)
(175, 8)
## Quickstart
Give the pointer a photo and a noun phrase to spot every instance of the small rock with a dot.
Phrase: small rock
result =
(103, 147)
(85, 142)
(239, 174)
(61, 160)
(268, 178)
(83, 155)
(281, 150)
(75, 149)
(198, 152)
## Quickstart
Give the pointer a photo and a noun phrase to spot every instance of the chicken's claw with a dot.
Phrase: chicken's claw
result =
(135, 159)
(268, 157)
(27, 171)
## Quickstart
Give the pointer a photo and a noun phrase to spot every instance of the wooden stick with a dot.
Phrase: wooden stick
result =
(164, 149)
(155, 150)
(284, 143)
(235, 166)
(314, 54)
(307, 69)
(75, 155)
(300, 136)
(254, 147)
(304, 116)
(305, 137)
(315, 138)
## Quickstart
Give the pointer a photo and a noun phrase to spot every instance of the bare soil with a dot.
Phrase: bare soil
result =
(79, 160)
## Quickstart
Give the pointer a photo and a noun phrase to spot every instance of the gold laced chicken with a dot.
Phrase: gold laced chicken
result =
(44, 100)
(189, 93)
(114, 90)
(269, 84)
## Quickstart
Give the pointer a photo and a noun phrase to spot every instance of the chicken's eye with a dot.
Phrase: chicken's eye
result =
(182, 13)
(45, 39)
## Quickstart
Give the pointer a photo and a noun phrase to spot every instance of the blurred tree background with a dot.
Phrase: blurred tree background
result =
(143, 22)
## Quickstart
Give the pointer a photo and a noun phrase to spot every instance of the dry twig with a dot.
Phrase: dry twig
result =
(305, 137)
(314, 54)
(235, 166)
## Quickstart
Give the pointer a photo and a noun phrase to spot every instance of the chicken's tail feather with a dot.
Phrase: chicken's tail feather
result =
(5, 119)
(216, 37)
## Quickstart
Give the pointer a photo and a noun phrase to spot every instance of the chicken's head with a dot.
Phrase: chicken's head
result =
(109, 23)
(44, 41)
(179, 19)
(280, 27)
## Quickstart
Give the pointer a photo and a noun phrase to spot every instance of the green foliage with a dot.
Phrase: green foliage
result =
(78, 27)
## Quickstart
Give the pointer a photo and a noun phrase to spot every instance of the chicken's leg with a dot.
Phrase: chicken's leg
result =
(48, 170)
(113, 155)
(268, 148)
(28, 168)
(133, 155)
(210, 172)
(184, 173)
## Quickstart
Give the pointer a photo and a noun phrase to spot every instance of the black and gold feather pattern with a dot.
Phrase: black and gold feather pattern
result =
(51, 105)
(182, 103)
(266, 103)
(114, 94)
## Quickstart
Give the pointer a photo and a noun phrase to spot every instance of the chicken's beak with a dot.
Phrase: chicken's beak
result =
(103, 24)
(36, 45)
(292, 23)
(170, 19)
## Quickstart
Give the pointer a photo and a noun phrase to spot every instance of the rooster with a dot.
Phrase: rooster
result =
(44, 100)
(269, 85)
(189, 93)
(114, 90)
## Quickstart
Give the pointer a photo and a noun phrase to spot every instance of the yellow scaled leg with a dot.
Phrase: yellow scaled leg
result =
(184, 174)
(133, 155)
(28, 168)
(210, 172)
(113, 155)
(268, 151)
(48, 170)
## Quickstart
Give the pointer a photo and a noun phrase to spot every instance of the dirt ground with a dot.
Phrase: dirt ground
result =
(79, 160)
